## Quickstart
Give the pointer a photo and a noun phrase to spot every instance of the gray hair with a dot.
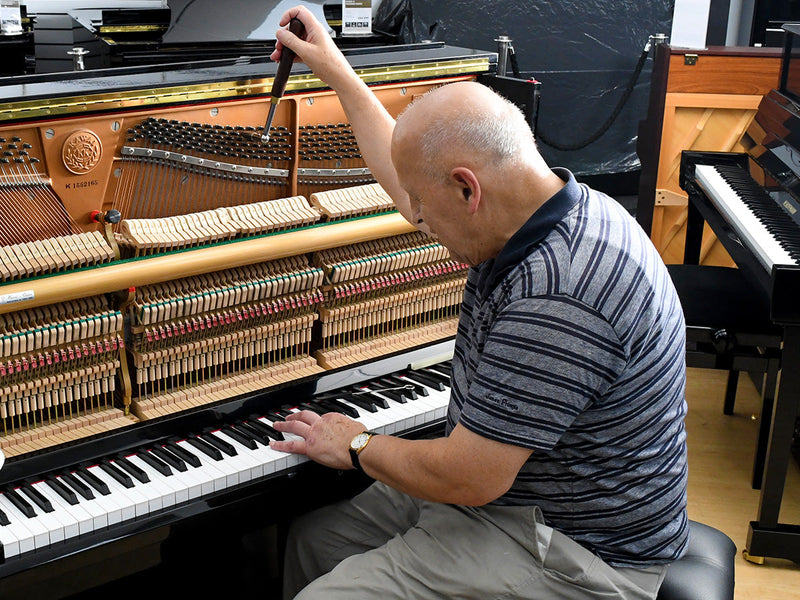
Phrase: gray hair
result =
(498, 134)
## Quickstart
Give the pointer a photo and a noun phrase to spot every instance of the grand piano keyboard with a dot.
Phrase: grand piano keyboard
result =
(99, 497)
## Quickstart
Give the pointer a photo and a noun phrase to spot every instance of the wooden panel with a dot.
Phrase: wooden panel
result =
(702, 122)
(707, 106)
(724, 74)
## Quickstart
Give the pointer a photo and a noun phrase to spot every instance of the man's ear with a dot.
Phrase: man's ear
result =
(470, 188)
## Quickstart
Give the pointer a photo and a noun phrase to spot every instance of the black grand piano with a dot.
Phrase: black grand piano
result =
(752, 202)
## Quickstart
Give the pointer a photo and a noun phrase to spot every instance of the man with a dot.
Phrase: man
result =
(563, 471)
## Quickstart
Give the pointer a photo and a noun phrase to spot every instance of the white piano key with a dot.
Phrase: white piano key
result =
(192, 480)
(285, 460)
(68, 522)
(80, 521)
(24, 536)
(195, 481)
(38, 532)
(242, 466)
(230, 469)
(156, 493)
(53, 525)
(251, 468)
(215, 480)
(178, 484)
(118, 502)
(184, 483)
(747, 225)
(9, 541)
(96, 512)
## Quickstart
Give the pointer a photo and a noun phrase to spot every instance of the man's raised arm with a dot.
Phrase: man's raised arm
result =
(371, 123)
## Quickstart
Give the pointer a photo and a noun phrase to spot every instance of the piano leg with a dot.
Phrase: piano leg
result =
(767, 537)
(694, 235)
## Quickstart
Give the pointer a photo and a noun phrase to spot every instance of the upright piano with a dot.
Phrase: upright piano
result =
(752, 202)
(170, 286)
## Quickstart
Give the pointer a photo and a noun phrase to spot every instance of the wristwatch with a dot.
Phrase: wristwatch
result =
(357, 446)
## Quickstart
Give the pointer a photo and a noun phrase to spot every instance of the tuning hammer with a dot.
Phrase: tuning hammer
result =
(281, 77)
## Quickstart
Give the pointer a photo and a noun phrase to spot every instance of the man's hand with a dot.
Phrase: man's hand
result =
(326, 438)
(316, 49)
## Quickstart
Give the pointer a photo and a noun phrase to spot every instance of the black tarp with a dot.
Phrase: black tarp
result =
(583, 52)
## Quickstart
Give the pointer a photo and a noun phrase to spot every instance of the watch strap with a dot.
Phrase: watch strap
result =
(354, 453)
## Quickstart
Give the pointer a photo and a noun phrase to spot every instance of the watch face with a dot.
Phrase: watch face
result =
(359, 440)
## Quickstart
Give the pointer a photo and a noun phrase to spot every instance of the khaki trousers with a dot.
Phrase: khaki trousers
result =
(386, 545)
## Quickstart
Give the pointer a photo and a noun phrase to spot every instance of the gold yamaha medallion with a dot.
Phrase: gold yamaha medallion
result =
(81, 151)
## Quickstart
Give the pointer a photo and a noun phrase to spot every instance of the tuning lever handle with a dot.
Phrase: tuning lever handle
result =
(281, 78)
(285, 64)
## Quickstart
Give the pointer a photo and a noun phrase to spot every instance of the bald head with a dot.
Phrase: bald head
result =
(462, 124)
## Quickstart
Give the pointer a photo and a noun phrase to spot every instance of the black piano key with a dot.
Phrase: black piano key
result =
(275, 416)
(131, 468)
(118, 474)
(158, 465)
(79, 485)
(390, 392)
(255, 433)
(62, 490)
(35, 495)
(406, 388)
(204, 447)
(444, 368)
(364, 392)
(440, 377)
(94, 482)
(219, 443)
(785, 231)
(256, 422)
(313, 407)
(4, 519)
(17, 500)
(420, 390)
(339, 406)
(169, 458)
(183, 453)
(364, 403)
(425, 379)
(240, 437)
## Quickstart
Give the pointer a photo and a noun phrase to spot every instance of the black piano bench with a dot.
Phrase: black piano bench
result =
(728, 327)
(706, 572)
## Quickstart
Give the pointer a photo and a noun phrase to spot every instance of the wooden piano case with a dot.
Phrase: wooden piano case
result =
(701, 100)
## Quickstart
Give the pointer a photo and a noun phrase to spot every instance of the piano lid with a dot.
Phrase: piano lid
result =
(192, 21)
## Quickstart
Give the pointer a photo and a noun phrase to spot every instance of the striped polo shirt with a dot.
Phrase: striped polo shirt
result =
(571, 343)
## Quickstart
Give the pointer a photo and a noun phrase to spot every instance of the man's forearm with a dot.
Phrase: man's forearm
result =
(419, 468)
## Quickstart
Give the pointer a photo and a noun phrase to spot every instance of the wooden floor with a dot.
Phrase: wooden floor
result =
(720, 462)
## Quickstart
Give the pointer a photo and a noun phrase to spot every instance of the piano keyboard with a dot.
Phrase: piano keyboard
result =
(761, 224)
(109, 491)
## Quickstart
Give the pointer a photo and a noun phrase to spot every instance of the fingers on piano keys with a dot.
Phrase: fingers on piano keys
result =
(164, 475)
